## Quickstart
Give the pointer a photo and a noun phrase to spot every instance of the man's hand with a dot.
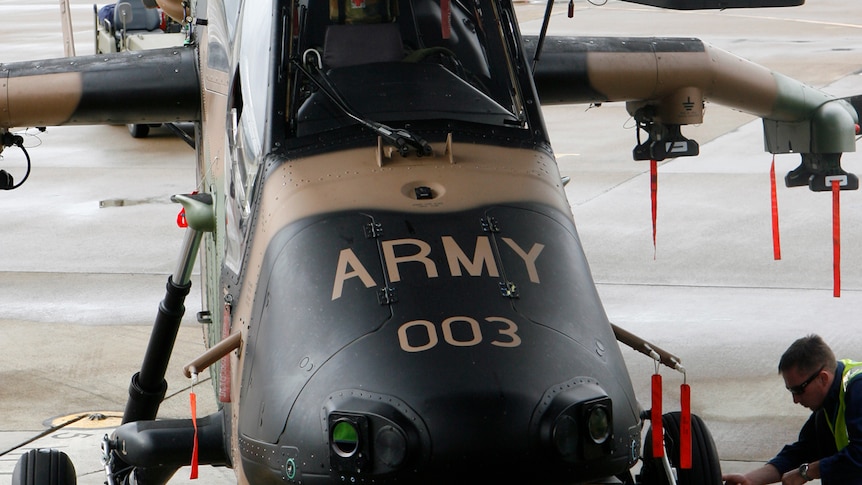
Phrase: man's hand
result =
(761, 476)
(735, 479)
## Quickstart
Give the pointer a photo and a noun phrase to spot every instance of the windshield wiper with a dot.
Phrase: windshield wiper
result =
(402, 139)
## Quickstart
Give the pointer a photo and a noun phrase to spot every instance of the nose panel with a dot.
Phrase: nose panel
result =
(300, 324)
(419, 312)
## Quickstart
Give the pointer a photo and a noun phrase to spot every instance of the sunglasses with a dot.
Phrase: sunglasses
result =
(800, 388)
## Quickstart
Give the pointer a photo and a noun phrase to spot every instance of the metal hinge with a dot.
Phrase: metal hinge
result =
(508, 289)
(490, 224)
(373, 230)
(386, 296)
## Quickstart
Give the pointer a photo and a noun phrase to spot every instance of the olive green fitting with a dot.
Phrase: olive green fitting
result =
(199, 210)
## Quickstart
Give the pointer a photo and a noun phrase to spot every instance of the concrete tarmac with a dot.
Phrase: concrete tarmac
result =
(87, 244)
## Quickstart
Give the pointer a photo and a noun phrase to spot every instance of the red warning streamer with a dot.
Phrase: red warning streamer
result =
(655, 417)
(836, 239)
(445, 16)
(194, 465)
(653, 190)
(776, 241)
(685, 427)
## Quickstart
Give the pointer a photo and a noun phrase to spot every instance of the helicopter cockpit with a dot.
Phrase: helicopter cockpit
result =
(411, 71)
(405, 62)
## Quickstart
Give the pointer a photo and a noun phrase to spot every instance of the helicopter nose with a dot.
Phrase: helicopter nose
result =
(373, 436)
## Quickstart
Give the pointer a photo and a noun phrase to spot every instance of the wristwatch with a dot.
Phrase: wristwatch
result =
(803, 470)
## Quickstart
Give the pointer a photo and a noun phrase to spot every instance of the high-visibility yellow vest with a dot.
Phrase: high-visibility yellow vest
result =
(839, 429)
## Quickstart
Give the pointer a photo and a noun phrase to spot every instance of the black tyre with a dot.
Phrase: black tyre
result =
(44, 467)
(705, 466)
(139, 131)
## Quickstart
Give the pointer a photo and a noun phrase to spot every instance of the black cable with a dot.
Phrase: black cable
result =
(9, 140)
(46, 433)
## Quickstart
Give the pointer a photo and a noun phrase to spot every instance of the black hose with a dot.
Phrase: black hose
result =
(6, 180)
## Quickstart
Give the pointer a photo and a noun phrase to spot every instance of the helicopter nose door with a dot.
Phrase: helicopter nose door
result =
(318, 292)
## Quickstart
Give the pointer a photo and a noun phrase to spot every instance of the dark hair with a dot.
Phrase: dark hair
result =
(807, 355)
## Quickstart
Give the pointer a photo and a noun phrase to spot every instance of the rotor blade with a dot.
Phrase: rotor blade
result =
(716, 4)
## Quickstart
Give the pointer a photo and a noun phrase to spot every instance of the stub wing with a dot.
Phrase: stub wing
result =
(154, 86)
(666, 81)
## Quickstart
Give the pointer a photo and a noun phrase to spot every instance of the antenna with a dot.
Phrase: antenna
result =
(68, 33)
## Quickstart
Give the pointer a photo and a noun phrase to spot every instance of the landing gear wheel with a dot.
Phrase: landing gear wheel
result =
(139, 131)
(705, 466)
(44, 467)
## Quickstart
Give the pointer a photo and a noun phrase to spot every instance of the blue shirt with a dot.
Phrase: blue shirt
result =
(816, 442)
(107, 13)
